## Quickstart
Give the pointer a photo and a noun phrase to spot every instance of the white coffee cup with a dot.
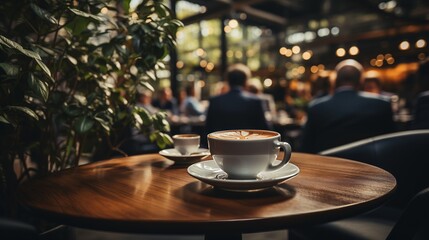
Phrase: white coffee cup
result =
(186, 144)
(243, 154)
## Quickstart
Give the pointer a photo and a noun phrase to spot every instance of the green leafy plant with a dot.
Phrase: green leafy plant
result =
(69, 71)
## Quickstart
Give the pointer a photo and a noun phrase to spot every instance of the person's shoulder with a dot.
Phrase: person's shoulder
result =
(424, 94)
(217, 98)
(250, 96)
(374, 97)
(319, 101)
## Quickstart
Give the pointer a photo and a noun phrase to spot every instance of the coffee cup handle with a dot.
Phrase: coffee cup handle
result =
(287, 153)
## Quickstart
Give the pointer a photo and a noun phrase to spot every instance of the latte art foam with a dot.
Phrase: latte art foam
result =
(242, 135)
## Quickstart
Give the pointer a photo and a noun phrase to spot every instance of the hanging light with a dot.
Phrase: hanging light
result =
(341, 52)
(404, 45)
(353, 50)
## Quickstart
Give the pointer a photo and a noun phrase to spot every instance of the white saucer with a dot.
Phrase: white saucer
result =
(174, 155)
(210, 173)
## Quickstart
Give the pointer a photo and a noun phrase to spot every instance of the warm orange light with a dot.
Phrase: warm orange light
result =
(203, 63)
(180, 64)
(200, 52)
(390, 60)
(288, 53)
(296, 49)
(354, 50)
(341, 52)
(421, 43)
(306, 55)
(268, 82)
(314, 69)
(378, 63)
(233, 23)
(404, 45)
(283, 50)
(209, 67)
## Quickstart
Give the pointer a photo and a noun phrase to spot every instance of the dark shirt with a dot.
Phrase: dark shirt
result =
(345, 117)
(170, 105)
(235, 110)
(421, 111)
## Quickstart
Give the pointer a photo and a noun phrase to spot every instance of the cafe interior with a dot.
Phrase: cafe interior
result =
(355, 184)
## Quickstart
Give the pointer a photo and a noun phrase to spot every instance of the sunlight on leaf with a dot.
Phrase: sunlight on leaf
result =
(84, 124)
(25, 110)
(86, 15)
(43, 14)
(10, 69)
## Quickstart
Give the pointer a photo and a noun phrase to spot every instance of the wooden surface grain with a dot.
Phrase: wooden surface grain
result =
(149, 194)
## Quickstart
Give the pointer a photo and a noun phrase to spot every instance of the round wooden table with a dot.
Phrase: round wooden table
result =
(149, 194)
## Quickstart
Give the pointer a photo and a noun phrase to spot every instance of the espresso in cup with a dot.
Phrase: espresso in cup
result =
(243, 154)
(186, 144)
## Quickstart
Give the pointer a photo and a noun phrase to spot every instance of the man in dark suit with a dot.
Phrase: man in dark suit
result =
(421, 105)
(236, 109)
(346, 116)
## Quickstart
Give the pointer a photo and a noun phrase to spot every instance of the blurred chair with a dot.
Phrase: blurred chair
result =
(11, 229)
(412, 224)
(405, 155)
(16, 230)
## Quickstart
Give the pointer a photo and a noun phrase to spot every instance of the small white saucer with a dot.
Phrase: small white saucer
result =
(174, 155)
(210, 173)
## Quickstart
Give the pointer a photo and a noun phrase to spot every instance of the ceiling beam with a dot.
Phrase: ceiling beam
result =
(223, 7)
(213, 12)
(263, 15)
(295, 5)
(369, 35)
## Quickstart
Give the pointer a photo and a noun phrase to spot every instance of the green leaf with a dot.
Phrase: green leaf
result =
(162, 140)
(166, 138)
(137, 118)
(12, 44)
(145, 115)
(107, 50)
(45, 69)
(25, 110)
(146, 85)
(104, 124)
(126, 5)
(4, 119)
(83, 124)
(151, 75)
(176, 22)
(160, 122)
(86, 15)
(40, 88)
(72, 60)
(73, 110)
(152, 136)
(81, 99)
(42, 13)
(10, 69)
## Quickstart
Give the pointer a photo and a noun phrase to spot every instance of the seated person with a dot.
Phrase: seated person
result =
(190, 106)
(236, 109)
(421, 106)
(255, 86)
(372, 84)
(347, 115)
(166, 101)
